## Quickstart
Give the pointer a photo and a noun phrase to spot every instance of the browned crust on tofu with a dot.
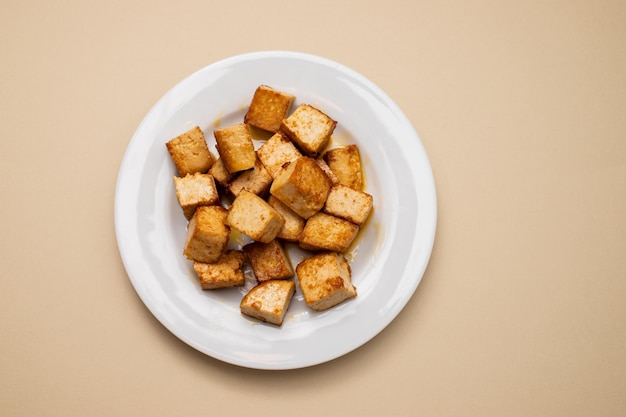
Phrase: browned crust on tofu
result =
(235, 146)
(269, 260)
(325, 232)
(309, 128)
(207, 234)
(268, 108)
(294, 224)
(257, 181)
(223, 273)
(325, 280)
(190, 153)
(276, 152)
(254, 217)
(349, 204)
(269, 301)
(345, 162)
(194, 190)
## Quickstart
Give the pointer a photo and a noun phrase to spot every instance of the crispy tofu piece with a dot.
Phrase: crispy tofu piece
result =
(294, 224)
(190, 153)
(257, 180)
(276, 152)
(223, 273)
(345, 162)
(269, 301)
(349, 204)
(329, 172)
(326, 232)
(207, 234)
(268, 260)
(302, 186)
(309, 128)
(235, 146)
(195, 190)
(254, 217)
(325, 280)
(268, 108)
(220, 173)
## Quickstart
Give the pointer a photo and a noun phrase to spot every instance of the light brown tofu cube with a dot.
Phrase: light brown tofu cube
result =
(309, 128)
(235, 146)
(345, 162)
(268, 108)
(269, 301)
(223, 273)
(294, 224)
(325, 280)
(190, 153)
(329, 172)
(207, 234)
(268, 260)
(302, 186)
(220, 173)
(254, 217)
(276, 152)
(349, 204)
(326, 232)
(195, 190)
(257, 180)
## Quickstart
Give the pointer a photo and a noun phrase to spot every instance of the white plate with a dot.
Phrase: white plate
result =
(388, 260)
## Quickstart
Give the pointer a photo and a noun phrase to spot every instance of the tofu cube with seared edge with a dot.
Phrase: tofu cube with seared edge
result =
(276, 152)
(302, 186)
(326, 232)
(294, 224)
(207, 234)
(268, 108)
(269, 301)
(349, 204)
(268, 260)
(235, 146)
(325, 280)
(220, 173)
(225, 272)
(195, 190)
(257, 180)
(254, 217)
(345, 162)
(309, 128)
(190, 152)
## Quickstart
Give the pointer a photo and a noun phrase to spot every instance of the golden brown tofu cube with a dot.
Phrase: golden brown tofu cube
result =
(302, 186)
(207, 234)
(195, 190)
(268, 108)
(220, 173)
(309, 128)
(345, 162)
(254, 217)
(223, 273)
(190, 153)
(235, 146)
(294, 224)
(269, 301)
(349, 204)
(276, 152)
(257, 180)
(325, 280)
(326, 232)
(268, 260)
(329, 172)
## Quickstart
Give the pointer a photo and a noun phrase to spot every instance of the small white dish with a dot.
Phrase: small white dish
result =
(388, 260)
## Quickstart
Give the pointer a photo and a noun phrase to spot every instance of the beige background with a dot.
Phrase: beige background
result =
(520, 106)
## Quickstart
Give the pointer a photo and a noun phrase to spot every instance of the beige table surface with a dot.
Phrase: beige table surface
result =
(521, 108)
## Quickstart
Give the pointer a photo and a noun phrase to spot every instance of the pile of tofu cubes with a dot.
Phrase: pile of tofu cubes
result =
(292, 189)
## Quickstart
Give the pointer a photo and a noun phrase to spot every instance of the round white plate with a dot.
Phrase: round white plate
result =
(388, 259)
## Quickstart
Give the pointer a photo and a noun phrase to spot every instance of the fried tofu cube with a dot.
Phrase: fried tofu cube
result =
(220, 173)
(329, 172)
(309, 128)
(345, 162)
(268, 108)
(190, 152)
(294, 224)
(326, 232)
(268, 260)
(254, 217)
(257, 180)
(223, 273)
(235, 146)
(325, 280)
(349, 204)
(302, 186)
(269, 301)
(276, 152)
(195, 190)
(207, 234)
